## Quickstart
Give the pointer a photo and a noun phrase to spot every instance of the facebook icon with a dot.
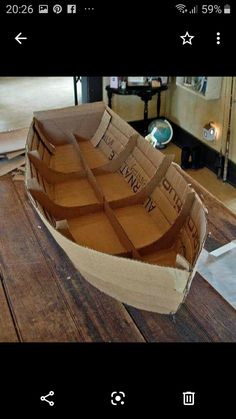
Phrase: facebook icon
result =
(71, 8)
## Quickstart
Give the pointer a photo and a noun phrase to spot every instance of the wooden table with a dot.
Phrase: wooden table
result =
(43, 298)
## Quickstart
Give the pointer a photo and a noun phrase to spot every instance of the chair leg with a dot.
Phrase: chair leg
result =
(185, 155)
(196, 158)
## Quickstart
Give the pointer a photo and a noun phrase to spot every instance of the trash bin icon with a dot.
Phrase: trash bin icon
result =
(188, 398)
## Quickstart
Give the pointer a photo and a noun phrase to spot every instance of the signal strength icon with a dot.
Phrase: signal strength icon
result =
(194, 10)
(181, 8)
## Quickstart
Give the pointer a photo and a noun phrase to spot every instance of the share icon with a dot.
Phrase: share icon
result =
(44, 398)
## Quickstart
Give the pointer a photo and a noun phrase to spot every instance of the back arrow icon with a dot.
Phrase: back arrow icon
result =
(18, 38)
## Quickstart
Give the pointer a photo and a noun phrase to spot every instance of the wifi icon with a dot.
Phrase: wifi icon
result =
(181, 8)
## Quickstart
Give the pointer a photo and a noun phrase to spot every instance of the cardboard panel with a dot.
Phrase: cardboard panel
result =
(54, 134)
(120, 124)
(102, 128)
(133, 174)
(145, 163)
(96, 232)
(65, 160)
(46, 157)
(12, 141)
(113, 186)
(79, 125)
(52, 176)
(110, 146)
(72, 111)
(118, 134)
(140, 228)
(117, 277)
(7, 166)
(74, 192)
(161, 258)
(153, 216)
(35, 141)
(93, 156)
(158, 200)
(153, 156)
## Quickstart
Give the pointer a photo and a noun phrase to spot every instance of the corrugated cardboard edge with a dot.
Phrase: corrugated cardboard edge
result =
(105, 121)
(85, 108)
(155, 288)
(7, 166)
(12, 141)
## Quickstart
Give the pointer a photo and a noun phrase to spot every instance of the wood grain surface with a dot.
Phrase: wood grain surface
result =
(7, 327)
(43, 298)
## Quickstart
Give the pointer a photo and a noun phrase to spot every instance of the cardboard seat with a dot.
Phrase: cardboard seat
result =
(92, 155)
(162, 258)
(114, 186)
(96, 232)
(74, 192)
(139, 226)
(65, 159)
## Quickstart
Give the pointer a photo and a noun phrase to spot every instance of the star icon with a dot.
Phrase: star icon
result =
(187, 39)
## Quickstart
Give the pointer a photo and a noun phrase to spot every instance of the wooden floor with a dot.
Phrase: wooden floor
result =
(225, 192)
(43, 298)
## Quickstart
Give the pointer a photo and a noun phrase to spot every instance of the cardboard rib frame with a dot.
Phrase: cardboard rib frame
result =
(120, 209)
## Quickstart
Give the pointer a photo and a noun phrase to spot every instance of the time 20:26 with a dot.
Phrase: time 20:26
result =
(23, 8)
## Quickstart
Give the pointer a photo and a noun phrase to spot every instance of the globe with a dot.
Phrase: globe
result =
(160, 133)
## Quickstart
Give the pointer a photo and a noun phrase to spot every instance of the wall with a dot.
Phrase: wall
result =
(192, 112)
(189, 111)
(131, 108)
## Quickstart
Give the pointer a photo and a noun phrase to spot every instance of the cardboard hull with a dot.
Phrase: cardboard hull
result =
(139, 269)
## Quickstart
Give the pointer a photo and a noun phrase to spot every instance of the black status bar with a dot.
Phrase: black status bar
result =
(116, 38)
(120, 9)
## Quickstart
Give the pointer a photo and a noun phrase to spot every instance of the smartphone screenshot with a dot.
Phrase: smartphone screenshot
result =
(117, 207)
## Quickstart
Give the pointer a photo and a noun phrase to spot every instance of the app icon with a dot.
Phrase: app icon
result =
(43, 8)
(187, 38)
(45, 398)
(19, 38)
(188, 398)
(117, 398)
(57, 9)
(71, 8)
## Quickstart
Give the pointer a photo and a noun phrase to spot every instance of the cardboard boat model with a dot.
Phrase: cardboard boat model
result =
(120, 209)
